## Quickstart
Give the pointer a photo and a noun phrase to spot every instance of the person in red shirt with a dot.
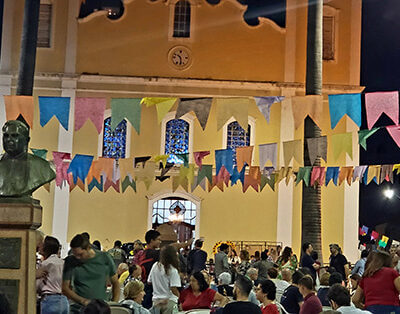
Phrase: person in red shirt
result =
(380, 285)
(312, 304)
(265, 293)
(199, 295)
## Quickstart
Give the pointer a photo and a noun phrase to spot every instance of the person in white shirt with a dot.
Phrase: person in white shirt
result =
(339, 298)
(49, 279)
(280, 284)
(165, 279)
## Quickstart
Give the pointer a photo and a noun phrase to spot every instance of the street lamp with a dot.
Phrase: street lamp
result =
(389, 193)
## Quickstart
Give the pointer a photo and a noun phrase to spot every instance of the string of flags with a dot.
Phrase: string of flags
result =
(121, 174)
(93, 108)
(373, 235)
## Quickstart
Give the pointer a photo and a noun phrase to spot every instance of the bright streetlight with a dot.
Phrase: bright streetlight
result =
(389, 193)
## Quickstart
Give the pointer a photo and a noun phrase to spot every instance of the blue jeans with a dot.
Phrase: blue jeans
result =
(383, 309)
(54, 304)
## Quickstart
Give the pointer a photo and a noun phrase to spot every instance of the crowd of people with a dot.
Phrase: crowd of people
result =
(156, 278)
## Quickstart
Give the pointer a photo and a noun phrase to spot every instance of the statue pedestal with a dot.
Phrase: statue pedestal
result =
(18, 221)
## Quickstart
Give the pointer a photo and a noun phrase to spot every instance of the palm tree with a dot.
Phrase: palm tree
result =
(28, 48)
(311, 200)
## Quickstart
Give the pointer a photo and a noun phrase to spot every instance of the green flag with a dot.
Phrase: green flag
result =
(205, 172)
(129, 108)
(363, 136)
(304, 174)
(127, 182)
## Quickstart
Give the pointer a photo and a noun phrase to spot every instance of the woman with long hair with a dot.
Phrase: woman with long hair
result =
(198, 295)
(165, 280)
(244, 265)
(380, 285)
(287, 260)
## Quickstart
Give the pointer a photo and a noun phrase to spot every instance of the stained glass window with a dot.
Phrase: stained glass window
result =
(176, 139)
(237, 137)
(114, 142)
(163, 211)
(182, 19)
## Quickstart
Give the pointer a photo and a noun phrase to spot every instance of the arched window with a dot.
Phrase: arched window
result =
(182, 19)
(236, 136)
(114, 142)
(176, 139)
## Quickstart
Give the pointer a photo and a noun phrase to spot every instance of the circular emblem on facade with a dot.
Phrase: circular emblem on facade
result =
(180, 57)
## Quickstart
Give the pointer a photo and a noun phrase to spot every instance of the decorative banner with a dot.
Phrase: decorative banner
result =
(243, 156)
(201, 184)
(200, 106)
(397, 168)
(145, 174)
(332, 173)
(61, 166)
(215, 182)
(267, 179)
(381, 102)
(54, 106)
(224, 157)
(383, 242)
(165, 170)
(42, 153)
(374, 235)
(317, 147)
(184, 158)
(187, 173)
(363, 135)
(304, 174)
(280, 175)
(349, 104)
(289, 175)
(236, 175)
(268, 152)
(318, 176)
(394, 131)
(342, 143)
(90, 108)
(303, 106)
(103, 166)
(126, 167)
(264, 104)
(178, 181)
(358, 172)
(162, 159)
(386, 173)
(252, 179)
(129, 108)
(346, 173)
(292, 149)
(79, 167)
(224, 176)
(198, 157)
(94, 183)
(374, 172)
(205, 172)
(232, 107)
(163, 105)
(19, 105)
(364, 230)
(110, 183)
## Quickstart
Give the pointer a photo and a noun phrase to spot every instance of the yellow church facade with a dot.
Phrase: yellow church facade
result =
(138, 55)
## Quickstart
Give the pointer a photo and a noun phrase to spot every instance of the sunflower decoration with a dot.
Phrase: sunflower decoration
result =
(218, 244)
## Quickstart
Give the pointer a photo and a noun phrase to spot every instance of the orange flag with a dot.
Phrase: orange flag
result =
(19, 105)
(346, 173)
(243, 155)
(252, 179)
(217, 183)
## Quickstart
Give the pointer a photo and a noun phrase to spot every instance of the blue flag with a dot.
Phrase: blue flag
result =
(79, 167)
(236, 175)
(332, 173)
(54, 106)
(224, 157)
(349, 104)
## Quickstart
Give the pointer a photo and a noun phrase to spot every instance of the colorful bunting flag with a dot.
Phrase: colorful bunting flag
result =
(54, 106)
(184, 158)
(79, 167)
(61, 161)
(342, 143)
(252, 179)
(243, 156)
(386, 173)
(364, 230)
(358, 172)
(394, 131)
(374, 235)
(363, 135)
(346, 173)
(42, 153)
(128, 182)
(317, 148)
(19, 105)
(161, 158)
(268, 152)
(397, 168)
(381, 102)
(110, 183)
(342, 104)
(233, 107)
(332, 174)
(205, 172)
(304, 174)
(318, 176)
(236, 175)
(90, 108)
(224, 157)
(267, 179)
(292, 149)
(126, 108)
(264, 104)
(163, 105)
(94, 183)
(374, 173)
(303, 106)
(198, 157)
(200, 106)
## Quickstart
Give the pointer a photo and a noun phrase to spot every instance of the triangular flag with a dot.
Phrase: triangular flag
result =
(292, 149)
(382, 102)
(177, 181)
(224, 157)
(397, 168)
(303, 106)
(79, 167)
(236, 175)
(374, 235)
(394, 131)
(200, 106)
(346, 173)
(233, 107)
(205, 172)
(126, 167)
(42, 153)
(224, 176)
(216, 183)
(374, 172)
(162, 159)
(19, 105)
(163, 105)
(364, 230)
(61, 161)
(110, 183)
(317, 176)
(198, 157)
(317, 147)
(195, 184)
(304, 174)
(252, 179)
(184, 158)
(386, 173)
(243, 156)
(289, 174)
(94, 183)
(54, 106)
(264, 104)
(90, 108)
(342, 143)
(332, 173)
(128, 183)
(363, 135)
(268, 152)
(129, 108)
(349, 104)
(358, 172)
(267, 179)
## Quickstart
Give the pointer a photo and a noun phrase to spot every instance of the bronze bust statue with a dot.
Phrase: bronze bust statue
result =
(21, 173)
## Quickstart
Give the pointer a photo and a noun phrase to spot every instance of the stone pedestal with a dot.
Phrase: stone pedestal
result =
(18, 221)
